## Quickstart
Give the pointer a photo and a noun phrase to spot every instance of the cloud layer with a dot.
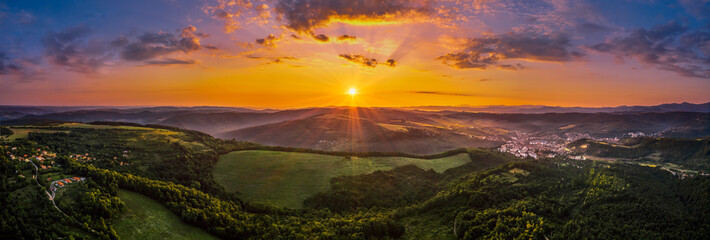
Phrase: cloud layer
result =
(304, 15)
(152, 45)
(367, 62)
(72, 50)
(485, 51)
(669, 46)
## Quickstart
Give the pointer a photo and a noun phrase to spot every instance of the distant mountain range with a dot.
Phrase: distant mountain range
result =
(417, 130)
(670, 107)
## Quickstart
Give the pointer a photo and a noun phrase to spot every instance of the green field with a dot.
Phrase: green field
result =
(23, 132)
(147, 219)
(287, 178)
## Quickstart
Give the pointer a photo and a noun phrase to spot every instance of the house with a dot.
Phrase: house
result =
(76, 179)
(60, 183)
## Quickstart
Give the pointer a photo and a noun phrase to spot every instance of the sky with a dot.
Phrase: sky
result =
(309, 53)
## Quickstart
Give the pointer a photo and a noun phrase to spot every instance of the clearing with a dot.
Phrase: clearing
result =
(287, 178)
(145, 218)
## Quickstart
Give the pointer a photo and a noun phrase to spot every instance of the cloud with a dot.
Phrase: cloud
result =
(669, 47)
(12, 68)
(8, 67)
(367, 62)
(390, 63)
(120, 42)
(511, 67)
(321, 38)
(442, 93)
(268, 41)
(170, 61)
(263, 11)
(229, 11)
(303, 16)
(70, 49)
(489, 50)
(22, 69)
(346, 38)
(152, 45)
(587, 27)
(699, 8)
(273, 60)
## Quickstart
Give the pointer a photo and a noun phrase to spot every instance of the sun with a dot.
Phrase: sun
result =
(352, 92)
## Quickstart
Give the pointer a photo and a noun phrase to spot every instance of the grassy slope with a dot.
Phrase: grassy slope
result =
(288, 178)
(147, 219)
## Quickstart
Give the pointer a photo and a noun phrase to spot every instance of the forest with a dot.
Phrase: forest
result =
(495, 196)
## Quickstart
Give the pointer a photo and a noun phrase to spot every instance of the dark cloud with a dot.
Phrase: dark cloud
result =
(20, 69)
(390, 63)
(592, 28)
(464, 60)
(668, 46)
(152, 45)
(171, 61)
(488, 50)
(347, 38)
(71, 50)
(120, 42)
(511, 67)
(304, 15)
(273, 60)
(321, 38)
(268, 41)
(367, 62)
(7, 66)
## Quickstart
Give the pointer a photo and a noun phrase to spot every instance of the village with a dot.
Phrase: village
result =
(45, 160)
(55, 185)
(524, 145)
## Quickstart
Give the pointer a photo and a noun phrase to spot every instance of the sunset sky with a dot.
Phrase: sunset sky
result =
(304, 53)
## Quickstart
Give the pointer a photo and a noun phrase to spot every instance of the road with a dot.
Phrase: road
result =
(51, 196)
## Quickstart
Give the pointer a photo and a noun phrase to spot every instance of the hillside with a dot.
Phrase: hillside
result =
(671, 124)
(215, 123)
(467, 193)
(147, 219)
(692, 153)
(564, 200)
(338, 132)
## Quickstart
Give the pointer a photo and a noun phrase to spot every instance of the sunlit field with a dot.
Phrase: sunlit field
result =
(287, 178)
(147, 219)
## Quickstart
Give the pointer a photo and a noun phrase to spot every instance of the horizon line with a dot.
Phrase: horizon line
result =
(335, 106)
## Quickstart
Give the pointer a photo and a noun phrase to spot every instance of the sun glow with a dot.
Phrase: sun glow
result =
(352, 92)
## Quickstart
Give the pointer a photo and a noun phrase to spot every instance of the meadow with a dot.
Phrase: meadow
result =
(287, 178)
(145, 218)
(22, 132)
